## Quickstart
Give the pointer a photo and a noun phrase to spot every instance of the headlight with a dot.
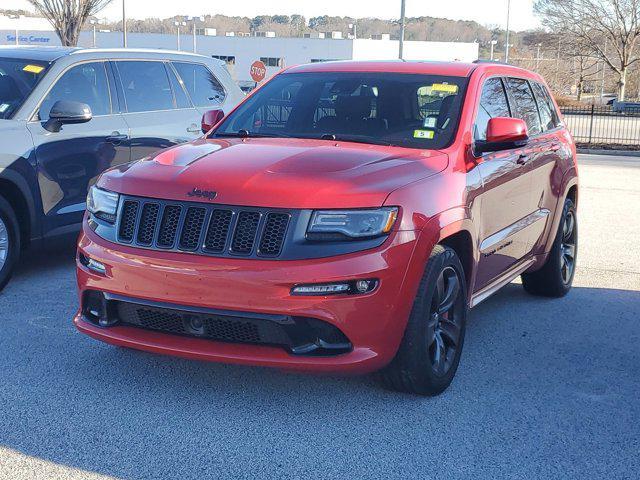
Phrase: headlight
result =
(334, 224)
(103, 204)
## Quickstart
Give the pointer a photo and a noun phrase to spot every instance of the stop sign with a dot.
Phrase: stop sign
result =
(258, 71)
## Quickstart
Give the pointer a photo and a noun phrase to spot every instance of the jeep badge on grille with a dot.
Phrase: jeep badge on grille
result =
(208, 194)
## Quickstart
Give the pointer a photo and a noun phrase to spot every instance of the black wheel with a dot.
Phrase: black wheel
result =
(429, 354)
(9, 242)
(554, 279)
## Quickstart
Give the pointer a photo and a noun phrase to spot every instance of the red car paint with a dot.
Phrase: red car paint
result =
(449, 196)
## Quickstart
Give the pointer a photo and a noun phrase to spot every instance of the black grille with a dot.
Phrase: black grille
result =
(210, 326)
(245, 234)
(148, 221)
(128, 222)
(275, 229)
(192, 228)
(169, 226)
(203, 229)
(218, 230)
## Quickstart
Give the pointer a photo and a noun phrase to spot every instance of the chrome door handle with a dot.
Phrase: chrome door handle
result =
(117, 137)
(193, 128)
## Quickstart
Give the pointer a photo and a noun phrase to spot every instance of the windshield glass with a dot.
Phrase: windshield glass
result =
(417, 111)
(17, 80)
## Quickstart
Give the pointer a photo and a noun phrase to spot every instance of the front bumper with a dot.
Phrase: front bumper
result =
(373, 323)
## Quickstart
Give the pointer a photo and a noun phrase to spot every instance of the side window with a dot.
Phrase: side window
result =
(85, 83)
(146, 86)
(548, 115)
(202, 85)
(182, 101)
(493, 103)
(526, 107)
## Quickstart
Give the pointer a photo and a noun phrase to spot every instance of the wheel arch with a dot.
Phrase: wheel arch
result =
(14, 189)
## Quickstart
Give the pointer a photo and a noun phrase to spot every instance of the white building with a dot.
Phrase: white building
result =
(241, 51)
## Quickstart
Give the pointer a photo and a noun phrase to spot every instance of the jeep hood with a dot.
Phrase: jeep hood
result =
(276, 172)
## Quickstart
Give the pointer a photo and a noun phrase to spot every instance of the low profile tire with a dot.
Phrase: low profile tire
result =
(429, 354)
(554, 279)
(9, 242)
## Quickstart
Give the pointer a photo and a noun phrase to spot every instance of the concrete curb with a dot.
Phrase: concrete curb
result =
(618, 153)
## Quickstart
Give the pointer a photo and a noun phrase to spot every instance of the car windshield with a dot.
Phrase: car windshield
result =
(408, 110)
(17, 80)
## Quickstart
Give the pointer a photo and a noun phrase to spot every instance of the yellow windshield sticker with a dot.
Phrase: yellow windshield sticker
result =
(423, 134)
(33, 68)
(444, 88)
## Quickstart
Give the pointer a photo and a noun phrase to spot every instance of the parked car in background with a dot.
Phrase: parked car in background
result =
(67, 114)
(343, 218)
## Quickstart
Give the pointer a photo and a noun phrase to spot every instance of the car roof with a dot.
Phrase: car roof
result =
(454, 69)
(44, 54)
(49, 54)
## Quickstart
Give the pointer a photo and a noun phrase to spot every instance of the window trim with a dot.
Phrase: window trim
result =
(33, 117)
(224, 88)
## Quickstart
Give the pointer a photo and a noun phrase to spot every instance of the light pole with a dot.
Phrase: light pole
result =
(194, 20)
(93, 23)
(506, 48)
(402, 22)
(178, 24)
(493, 44)
(124, 25)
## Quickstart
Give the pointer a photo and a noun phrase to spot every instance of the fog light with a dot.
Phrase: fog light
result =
(362, 286)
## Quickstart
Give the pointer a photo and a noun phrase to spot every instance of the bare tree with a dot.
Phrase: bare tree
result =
(68, 16)
(596, 23)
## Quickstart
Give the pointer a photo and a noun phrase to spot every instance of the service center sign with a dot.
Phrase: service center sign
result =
(258, 71)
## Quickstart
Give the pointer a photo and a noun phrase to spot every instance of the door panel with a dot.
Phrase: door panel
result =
(505, 212)
(70, 160)
(153, 112)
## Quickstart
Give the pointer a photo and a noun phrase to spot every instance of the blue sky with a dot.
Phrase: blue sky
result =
(487, 12)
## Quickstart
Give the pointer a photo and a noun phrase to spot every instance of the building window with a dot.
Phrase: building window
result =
(228, 59)
(272, 61)
(318, 60)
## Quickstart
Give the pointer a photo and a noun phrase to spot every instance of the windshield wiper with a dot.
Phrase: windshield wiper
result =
(242, 133)
(355, 139)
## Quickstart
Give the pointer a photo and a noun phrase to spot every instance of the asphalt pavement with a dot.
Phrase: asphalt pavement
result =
(546, 388)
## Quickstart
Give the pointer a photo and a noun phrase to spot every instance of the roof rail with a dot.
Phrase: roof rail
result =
(498, 62)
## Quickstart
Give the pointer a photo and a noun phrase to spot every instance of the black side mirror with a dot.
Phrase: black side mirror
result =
(65, 112)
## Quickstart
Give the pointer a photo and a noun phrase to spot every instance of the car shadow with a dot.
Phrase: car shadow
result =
(542, 363)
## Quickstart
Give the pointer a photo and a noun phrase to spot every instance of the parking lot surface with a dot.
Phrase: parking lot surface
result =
(546, 388)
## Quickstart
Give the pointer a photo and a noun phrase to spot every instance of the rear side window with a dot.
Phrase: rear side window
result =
(146, 86)
(84, 83)
(203, 87)
(526, 107)
(493, 103)
(548, 115)
(178, 90)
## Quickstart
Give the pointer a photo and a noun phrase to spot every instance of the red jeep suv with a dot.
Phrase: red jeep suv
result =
(343, 218)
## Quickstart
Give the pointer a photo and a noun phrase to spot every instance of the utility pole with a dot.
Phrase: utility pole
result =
(493, 44)
(506, 47)
(402, 22)
(124, 24)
